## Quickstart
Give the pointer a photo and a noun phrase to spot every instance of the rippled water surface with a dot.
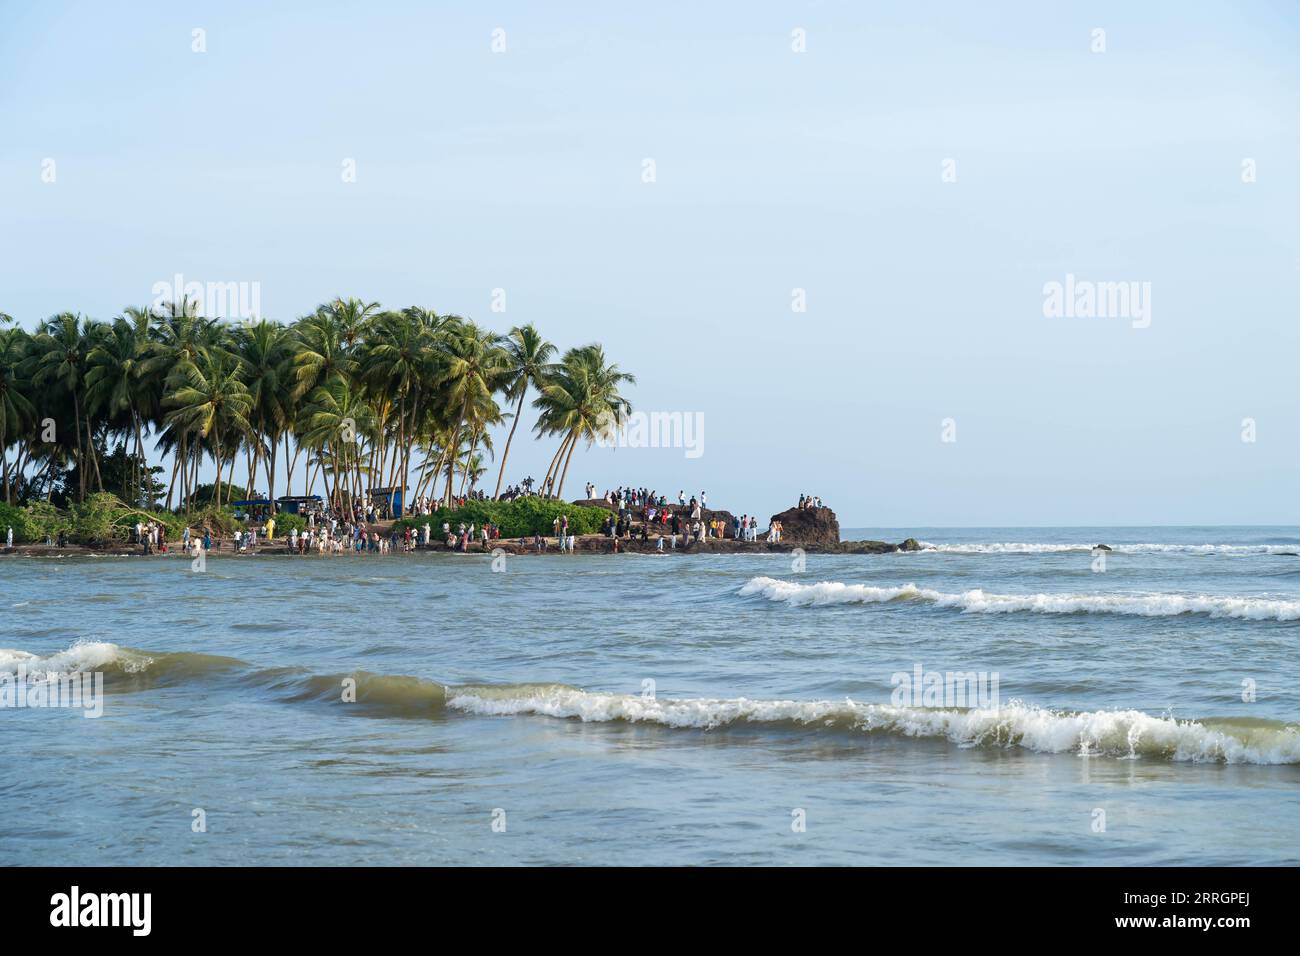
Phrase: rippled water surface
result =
(663, 710)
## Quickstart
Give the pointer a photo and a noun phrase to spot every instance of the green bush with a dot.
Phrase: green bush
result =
(28, 526)
(103, 518)
(44, 521)
(222, 521)
(285, 523)
(523, 516)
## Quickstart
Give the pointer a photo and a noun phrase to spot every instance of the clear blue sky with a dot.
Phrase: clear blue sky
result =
(775, 170)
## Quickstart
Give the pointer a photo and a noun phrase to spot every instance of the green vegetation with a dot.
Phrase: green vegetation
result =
(523, 516)
(101, 519)
(348, 397)
(286, 523)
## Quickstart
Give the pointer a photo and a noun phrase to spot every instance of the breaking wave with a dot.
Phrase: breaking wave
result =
(1117, 733)
(980, 602)
(1114, 733)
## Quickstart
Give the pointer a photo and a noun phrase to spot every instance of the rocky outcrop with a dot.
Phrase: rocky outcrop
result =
(810, 528)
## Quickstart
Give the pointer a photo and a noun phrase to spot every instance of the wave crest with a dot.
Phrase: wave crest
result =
(980, 602)
(1115, 733)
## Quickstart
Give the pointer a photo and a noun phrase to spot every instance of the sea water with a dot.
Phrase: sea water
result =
(1137, 706)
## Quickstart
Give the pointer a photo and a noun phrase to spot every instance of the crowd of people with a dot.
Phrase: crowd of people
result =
(352, 530)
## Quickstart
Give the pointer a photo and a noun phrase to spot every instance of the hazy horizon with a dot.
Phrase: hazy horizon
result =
(775, 170)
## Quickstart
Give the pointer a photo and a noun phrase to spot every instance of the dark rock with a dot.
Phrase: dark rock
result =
(1100, 547)
(911, 544)
(864, 547)
(810, 528)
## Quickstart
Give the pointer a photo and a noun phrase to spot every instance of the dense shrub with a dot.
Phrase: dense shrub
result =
(31, 523)
(44, 521)
(222, 521)
(103, 518)
(523, 516)
(286, 523)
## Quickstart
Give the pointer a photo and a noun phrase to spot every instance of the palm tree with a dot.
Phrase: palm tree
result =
(400, 356)
(335, 420)
(578, 401)
(369, 394)
(62, 346)
(16, 411)
(476, 366)
(264, 351)
(211, 400)
(115, 384)
(181, 339)
(529, 356)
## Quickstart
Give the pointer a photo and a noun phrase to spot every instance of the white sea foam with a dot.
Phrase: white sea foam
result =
(82, 657)
(1013, 547)
(980, 602)
(1118, 733)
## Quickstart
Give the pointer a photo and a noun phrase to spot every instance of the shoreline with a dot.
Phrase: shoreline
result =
(583, 544)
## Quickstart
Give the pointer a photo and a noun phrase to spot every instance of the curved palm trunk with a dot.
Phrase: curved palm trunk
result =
(559, 493)
(404, 450)
(81, 461)
(140, 463)
(550, 471)
(511, 437)
(230, 473)
(216, 451)
(4, 462)
(290, 464)
(270, 469)
(455, 444)
(469, 458)
(171, 483)
(90, 449)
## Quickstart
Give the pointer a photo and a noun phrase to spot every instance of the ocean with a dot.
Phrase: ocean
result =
(1004, 696)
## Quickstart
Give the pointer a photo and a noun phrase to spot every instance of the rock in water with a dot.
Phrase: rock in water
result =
(809, 527)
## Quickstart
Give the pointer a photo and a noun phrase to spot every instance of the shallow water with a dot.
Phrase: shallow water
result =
(651, 710)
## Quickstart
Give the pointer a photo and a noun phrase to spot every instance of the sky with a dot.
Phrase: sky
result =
(921, 171)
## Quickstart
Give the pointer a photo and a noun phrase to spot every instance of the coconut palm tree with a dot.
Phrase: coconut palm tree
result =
(114, 383)
(400, 356)
(578, 401)
(335, 422)
(475, 367)
(416, 389)
(211, 400)
(265, 353)
(61, 348)
(16, 410)
(528, 356)
(181, 338)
